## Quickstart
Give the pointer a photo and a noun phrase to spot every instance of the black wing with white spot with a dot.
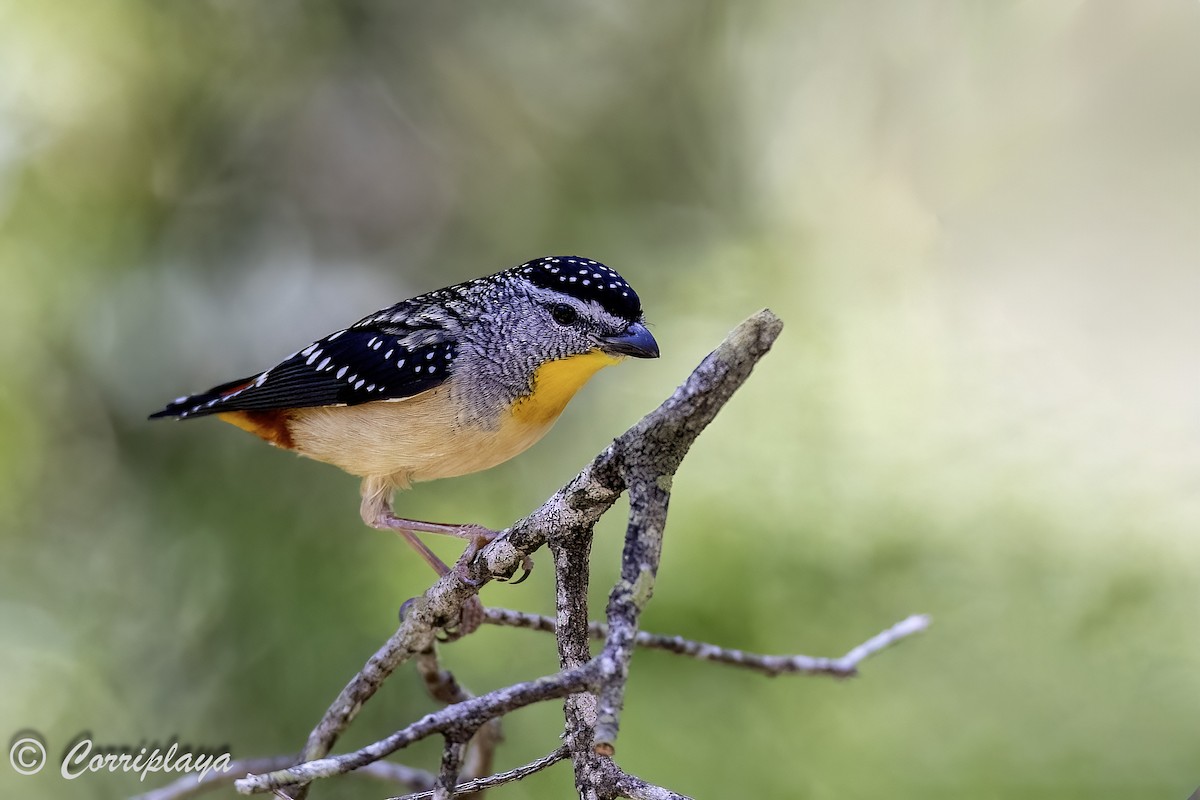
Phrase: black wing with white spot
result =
(357, 365)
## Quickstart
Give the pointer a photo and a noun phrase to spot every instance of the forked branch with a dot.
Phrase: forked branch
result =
(643, 462)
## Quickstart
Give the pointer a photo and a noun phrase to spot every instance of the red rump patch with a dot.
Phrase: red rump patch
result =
(271, 426)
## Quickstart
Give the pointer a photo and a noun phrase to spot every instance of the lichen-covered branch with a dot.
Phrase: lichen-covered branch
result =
(452, 760)
(648, 497)
(641, 461)
(571, 622)
(652, 452)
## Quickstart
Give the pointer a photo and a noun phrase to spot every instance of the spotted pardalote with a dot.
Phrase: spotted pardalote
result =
(448, 383)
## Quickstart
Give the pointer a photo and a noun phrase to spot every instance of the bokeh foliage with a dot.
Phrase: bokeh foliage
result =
(977, 219)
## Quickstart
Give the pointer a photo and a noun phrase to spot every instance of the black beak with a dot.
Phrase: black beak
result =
(636, 341)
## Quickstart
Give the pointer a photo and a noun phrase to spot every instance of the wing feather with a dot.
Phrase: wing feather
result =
(370, 361)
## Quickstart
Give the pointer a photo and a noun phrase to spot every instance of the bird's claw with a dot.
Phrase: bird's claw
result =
(462, 567)
(526, 569)
(469, 620)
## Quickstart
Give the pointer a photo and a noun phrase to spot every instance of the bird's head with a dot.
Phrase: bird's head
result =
(549, 325)
(577, 306)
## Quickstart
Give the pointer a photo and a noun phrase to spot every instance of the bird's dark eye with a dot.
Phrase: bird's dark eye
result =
(564, 314)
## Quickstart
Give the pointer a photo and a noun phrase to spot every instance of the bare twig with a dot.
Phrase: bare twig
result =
(467, 714)
(880, 641)
(442, 686)
(845, 666)
(648, 497)
(643, 461)
(481, 751)
(391, 772)
(579, 710)
(500, 778)
(638, 789)
(190, 786)
(452, 759)
(652, 451)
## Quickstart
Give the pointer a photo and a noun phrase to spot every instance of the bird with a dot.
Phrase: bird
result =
(444, 384)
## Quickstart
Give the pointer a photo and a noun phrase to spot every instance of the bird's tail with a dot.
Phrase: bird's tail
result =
(204, 403)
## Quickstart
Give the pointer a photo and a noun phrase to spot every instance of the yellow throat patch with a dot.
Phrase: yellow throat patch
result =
(555, 383)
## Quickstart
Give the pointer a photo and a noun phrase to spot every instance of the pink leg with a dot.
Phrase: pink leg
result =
(376, 511)
(477, 535)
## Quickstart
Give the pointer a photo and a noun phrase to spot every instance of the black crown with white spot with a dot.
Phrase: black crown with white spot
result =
(587, 280)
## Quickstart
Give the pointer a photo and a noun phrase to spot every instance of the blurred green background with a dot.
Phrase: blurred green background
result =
(978, 220)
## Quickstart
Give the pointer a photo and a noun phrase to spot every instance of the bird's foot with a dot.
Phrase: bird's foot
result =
(526, 569)
(482, 538)
(469, 619)
(477, 536)
(408, 529)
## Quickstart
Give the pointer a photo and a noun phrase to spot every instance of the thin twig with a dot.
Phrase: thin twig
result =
(638, 789)
(466, 714)
(190, 786)
(500, 778)
(444, 687)
(481, 753)
(452, 759)
(397, 773)
(772, 665)
(901, 630)
(440, 683)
